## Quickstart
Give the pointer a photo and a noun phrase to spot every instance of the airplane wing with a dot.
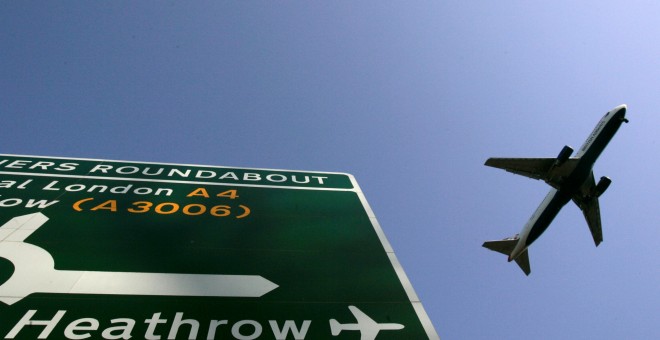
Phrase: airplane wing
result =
(536, 168)
(551, 170)
(369, 334)
(592, 215)
(588, 203)
(368, 327)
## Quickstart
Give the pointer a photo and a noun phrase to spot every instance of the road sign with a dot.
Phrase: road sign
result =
(124, 250)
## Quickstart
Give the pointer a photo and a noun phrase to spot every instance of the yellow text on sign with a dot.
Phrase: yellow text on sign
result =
(231, 194)
(164, 208)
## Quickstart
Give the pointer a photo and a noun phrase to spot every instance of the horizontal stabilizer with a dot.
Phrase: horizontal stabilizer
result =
(506, 247)
(523, 262)
(503, 247)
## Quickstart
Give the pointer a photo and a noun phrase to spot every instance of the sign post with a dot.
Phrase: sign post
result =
(124, 250)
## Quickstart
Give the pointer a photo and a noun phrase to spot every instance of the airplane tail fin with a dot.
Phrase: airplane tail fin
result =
(506, 247)
(523, 262)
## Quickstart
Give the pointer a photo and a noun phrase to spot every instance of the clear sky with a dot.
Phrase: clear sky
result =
(410, 97)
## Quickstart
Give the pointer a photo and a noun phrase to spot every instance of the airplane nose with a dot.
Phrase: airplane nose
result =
(620, 112)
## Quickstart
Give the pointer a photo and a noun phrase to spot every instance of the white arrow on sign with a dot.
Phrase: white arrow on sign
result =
(34, 272)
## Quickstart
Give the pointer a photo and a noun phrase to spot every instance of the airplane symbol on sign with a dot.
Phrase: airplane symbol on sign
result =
(367, 326)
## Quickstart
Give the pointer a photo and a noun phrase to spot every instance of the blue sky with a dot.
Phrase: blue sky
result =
(411, 98)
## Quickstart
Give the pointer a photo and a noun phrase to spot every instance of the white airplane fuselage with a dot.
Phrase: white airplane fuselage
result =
(568, 178)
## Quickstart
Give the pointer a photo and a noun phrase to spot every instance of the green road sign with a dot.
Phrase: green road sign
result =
(96, 249)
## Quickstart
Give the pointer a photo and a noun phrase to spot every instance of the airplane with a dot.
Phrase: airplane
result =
(571, 178)
(367, 326)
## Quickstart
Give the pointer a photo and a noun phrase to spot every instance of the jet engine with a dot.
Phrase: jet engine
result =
(602, 185)
(563, 155)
